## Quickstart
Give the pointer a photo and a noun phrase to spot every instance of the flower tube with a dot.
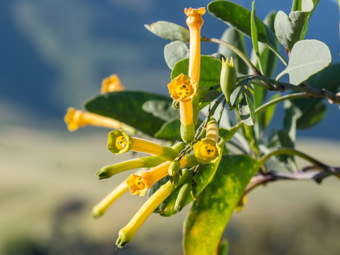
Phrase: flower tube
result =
(127, 233)
(77, 118)
(195, 22)
(111, 84)
(117, 192)
(108, 171)
(119, 142)
(150, 161)
(140, 183)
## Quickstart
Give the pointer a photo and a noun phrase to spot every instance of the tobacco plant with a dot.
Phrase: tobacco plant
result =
(210, 142)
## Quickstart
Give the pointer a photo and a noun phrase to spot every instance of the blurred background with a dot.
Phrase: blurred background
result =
(54, 54)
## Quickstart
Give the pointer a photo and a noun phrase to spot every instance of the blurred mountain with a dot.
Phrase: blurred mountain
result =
(54, 53)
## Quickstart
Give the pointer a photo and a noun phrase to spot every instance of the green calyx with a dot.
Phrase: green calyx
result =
(228, 79)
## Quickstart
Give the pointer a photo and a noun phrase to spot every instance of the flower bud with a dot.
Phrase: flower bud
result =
(228, 79)
(174, 168)
(183, 195)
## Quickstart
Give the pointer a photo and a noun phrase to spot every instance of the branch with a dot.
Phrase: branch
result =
(272, 176)
(313, 92)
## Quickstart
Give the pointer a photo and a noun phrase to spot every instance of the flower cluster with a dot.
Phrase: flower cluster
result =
(175, 163)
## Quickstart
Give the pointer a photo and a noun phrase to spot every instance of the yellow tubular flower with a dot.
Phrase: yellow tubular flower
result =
(77, 118)
(101, 207)
(140, 183)
(127, 233)
(111, 84)
(195, 22)
(183, 88)
(119, 142)
(111, 170)
(150, 161)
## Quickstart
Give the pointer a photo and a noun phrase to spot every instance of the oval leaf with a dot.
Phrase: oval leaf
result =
(169, 31)
(174, 52)
(212, 210)
(210, 70)
(307, 58)
(161, 109)
(239, 17)
(126, 106)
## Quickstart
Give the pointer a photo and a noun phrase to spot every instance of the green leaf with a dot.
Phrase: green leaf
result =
(268, 61)
(161, 109)
(212, 210)
(300, 5)
(235, 38)
(201, 179)
(126, 106)
(328, 78)
(210, 70)
(312, 115)
(247, 108)
(269, 112)
(303, 5)
(307, 58)
(174, 52)
(169, 31)
(289, 121)
(235, 95)
(267, 57)
(313, 109)
(224, 248)
(288, 29)
(277, 140)
(254, 35)
(239, 17)
(170, 131)
(227, 134)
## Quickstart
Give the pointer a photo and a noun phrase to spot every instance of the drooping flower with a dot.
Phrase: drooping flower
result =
(141, 182)
(119, 142)
(127, 233)
(117, 192)
(111, 170)
(150, 161)
(77, 118)
(111, 84)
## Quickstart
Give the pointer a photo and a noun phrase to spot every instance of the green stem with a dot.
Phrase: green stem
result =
(313, 92)
(289, 151)
(278, 54)
(277, 100)
(237, 52)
